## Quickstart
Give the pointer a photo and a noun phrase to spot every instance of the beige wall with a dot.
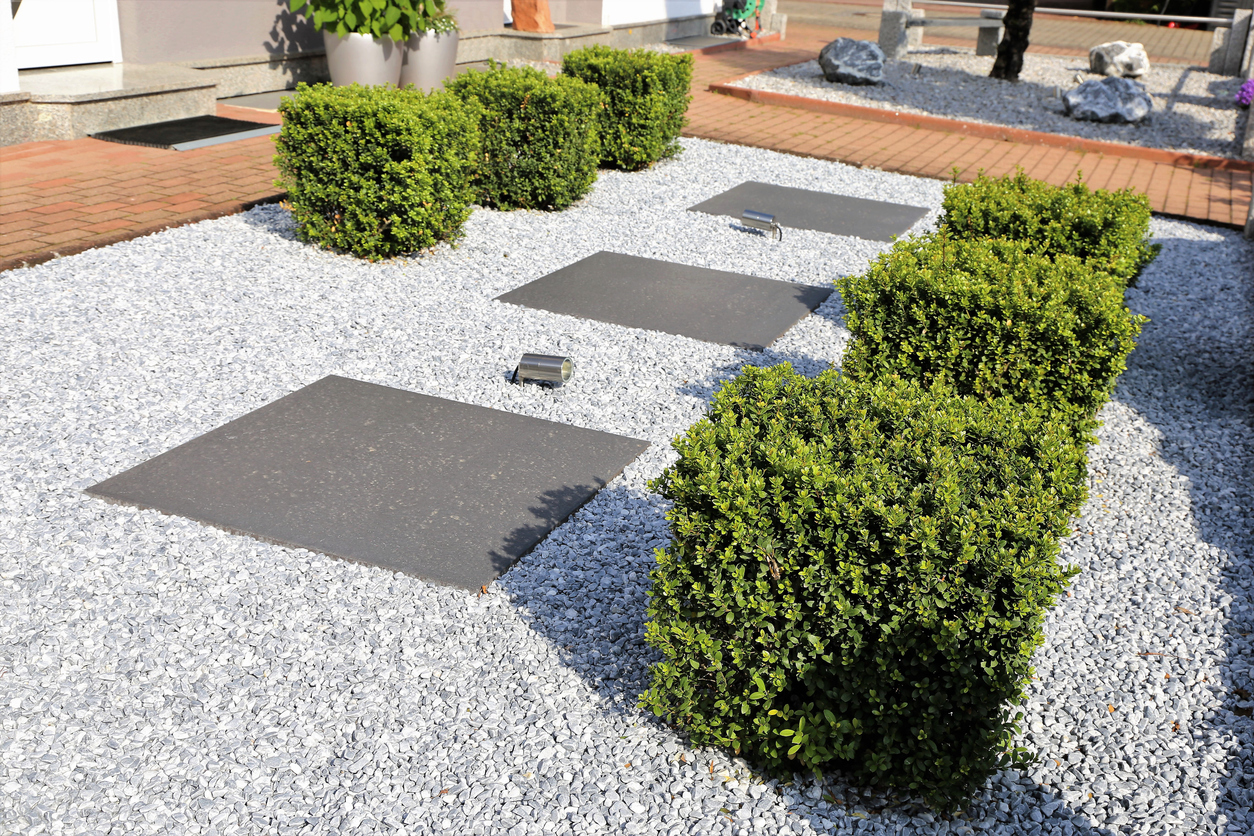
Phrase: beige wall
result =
(190, 30)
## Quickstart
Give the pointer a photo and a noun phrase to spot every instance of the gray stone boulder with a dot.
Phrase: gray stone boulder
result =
(1119, 58)
(852, 62)
(1110, 99)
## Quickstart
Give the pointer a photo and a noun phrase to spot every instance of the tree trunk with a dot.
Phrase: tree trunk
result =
(1014, 43)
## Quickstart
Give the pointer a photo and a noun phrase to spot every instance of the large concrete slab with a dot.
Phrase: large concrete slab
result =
(446, 491)
(873, 220)
(711, 305)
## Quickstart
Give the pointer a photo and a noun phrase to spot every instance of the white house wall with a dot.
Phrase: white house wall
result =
(621, 12)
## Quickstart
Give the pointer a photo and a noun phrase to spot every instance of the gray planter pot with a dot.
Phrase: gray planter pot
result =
(362, 59)
(430, 58)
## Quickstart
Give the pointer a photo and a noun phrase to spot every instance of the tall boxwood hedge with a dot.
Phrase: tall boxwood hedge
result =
(374, 170)
(646, 98)
(859, 575)
(990, 318)
(1110, 230)
(540, 143)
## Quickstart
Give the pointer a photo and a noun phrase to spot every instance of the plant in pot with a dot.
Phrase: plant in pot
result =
(364, 38)
(430, 54)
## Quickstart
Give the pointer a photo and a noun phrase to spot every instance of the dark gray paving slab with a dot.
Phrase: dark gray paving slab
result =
(873, 220)
(447, 491)
(710, 305)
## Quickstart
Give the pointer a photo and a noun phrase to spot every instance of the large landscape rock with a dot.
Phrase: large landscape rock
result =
(852, 62)
(1110, 99)
(1119, 58)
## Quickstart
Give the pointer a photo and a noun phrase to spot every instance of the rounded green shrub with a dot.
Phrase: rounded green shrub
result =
(1110, 230)
(646, 99)
(377, 171)
(858, 577)
(540, 145)
(990, 318)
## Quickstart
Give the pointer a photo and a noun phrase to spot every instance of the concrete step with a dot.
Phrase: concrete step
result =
(72, 102)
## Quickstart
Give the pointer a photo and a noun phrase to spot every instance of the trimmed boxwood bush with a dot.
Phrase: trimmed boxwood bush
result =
(646, 98)
(1107, 229)
(375, 170)
(991, 318)
(540, 144)
(859, 576)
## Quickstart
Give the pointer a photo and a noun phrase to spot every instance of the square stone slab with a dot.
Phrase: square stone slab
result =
(446, 491)
(710, 305)
(873, 220)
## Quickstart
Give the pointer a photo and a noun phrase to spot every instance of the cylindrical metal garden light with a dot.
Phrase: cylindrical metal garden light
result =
(762, 221)
(548, 367)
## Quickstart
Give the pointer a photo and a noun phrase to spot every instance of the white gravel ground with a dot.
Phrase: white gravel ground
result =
(158, 676)
(1193, 110)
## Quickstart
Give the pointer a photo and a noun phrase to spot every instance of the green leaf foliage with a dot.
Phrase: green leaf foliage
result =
(394, 19)
(646, 99)
(540, 145)
(991, 318)
(1109, 230)
(377, 171)
(859, 576)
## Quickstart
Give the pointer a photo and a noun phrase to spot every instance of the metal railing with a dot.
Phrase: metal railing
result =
(1082, 13)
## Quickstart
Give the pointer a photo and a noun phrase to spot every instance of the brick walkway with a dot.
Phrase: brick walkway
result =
(1213, 195)
(64, 197)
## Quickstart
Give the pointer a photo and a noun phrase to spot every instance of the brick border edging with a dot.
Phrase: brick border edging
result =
(138, 232)
(981, 130)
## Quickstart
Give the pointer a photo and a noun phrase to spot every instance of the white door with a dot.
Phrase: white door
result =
(54, 33)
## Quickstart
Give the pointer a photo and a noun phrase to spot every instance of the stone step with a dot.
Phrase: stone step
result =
(72, 102)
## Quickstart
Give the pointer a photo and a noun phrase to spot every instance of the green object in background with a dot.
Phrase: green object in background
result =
(1109, 230)
(991, 318)
(377, 171)
(646, 100)
(394, 19)
(540, 139)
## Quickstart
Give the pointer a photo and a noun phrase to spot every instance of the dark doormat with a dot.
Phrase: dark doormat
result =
(186, 134)
(446, 491)
(873, 220)
(710, 305)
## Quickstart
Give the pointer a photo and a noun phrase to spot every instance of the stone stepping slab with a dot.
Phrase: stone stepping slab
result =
(450, 492)
(710, 305)
(836, 214)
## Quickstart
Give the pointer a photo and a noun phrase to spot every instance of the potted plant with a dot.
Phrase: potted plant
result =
(364, 38)
(430, 54)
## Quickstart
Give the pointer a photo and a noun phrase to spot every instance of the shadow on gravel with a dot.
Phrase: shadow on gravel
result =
(1195, 383)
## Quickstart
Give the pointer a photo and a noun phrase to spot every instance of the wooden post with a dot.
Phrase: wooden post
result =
(531, 16)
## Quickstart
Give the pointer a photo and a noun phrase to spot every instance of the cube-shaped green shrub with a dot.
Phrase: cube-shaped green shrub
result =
(1110, 230)
(991, 318)
(540, 146)
(859, 576)
(646, 98)
(377, 171)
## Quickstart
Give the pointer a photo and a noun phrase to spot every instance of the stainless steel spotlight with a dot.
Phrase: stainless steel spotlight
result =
(762, 221)
(548, 367)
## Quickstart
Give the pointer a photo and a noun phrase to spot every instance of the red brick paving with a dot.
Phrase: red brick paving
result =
(58, 198)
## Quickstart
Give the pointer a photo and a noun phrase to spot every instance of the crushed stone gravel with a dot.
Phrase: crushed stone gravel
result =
(159, 676)
(1193, 110)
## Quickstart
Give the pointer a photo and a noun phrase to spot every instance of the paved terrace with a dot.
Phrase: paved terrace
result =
(63, 197)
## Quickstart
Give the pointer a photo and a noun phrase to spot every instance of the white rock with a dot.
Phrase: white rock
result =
(1119, 58)
(852, 62)
(1110, 99)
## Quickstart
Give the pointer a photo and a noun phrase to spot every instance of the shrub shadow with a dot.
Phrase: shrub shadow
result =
(1189, 380)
